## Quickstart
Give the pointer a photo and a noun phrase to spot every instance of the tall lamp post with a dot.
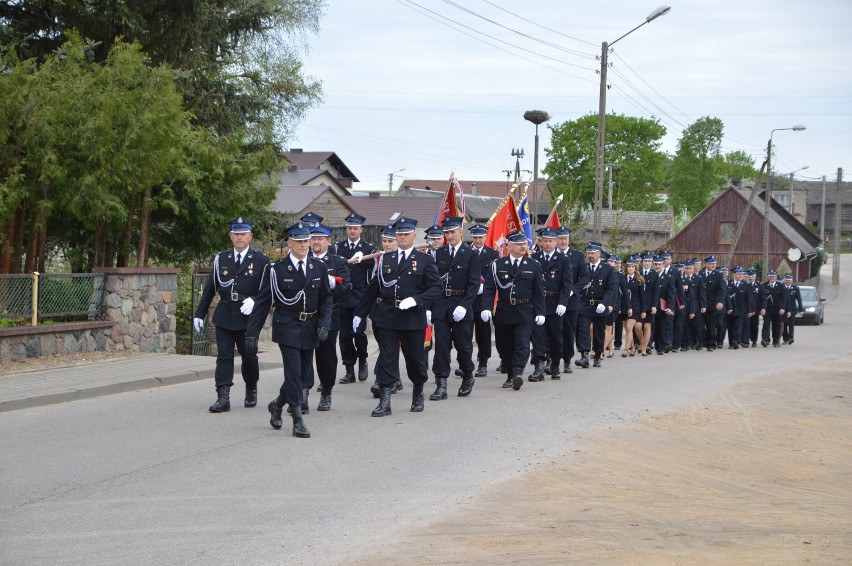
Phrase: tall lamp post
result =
(768, 195)
(536, 117)
(599, 158)
(802, 168)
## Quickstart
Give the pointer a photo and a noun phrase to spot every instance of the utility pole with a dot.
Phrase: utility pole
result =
(822, 214)
(509, 172)
(517, 154)
(390, 181)
(838, 204)
(610, 166)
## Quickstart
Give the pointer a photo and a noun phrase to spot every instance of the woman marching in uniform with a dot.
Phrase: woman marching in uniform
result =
(635, 315)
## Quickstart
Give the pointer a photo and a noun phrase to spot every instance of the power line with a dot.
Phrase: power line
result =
(538, 25)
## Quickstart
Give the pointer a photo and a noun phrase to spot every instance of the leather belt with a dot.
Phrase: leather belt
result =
(593, 301)
(513, 301)
(233, 297)
(297, 314)
(551, 293)
(389, 301)
(453, 293)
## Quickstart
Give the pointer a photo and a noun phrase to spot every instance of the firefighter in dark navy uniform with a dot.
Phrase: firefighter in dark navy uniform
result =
(482, 330)
(757, 293)
(338, 280)
(579, 270)
(794, 307)
(547, 339)
(405, 286)
(742, 307)
(597, 301)
(237, 278)
(516, 282)
(716, 291)
(452, 311)
(353, 343)
(302, 301)
(774, 309)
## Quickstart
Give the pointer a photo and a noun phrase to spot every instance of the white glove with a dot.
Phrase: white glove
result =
(485, 316)
(357, 256)
(356, 322)
(331, 282)
(560, 309)
(600, 309)
(459, 313)
(539, 320)
(407, 303)
(198, 323)
(428, 317)
(247, 306)
(481, 288)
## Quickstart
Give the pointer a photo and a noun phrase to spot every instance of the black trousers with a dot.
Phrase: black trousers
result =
(680, 319)
(617, 332)
(789, 327)
(225, 342)
(773, 322)
(547, 339)
(710, 327)
(694, 331)
(569, 334)
(721, 327)
(754, 328)
(447, 334)
(513, 343)
(387, 367)
(596, 344)
(737, 329)
(482, 332)
(663, 330)
(353, 347)
(325, 358)
(297, 368)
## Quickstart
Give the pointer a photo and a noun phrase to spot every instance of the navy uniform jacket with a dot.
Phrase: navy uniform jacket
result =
(623, 293)
(578, 267)
(359, 273)
(248, 281)
(486, 255)
(758, 297)
(635, 296)
(652, 291)
(309, 293)
(696, 296)
(667, 291)
(774, 298)
(557, 280)
(742, 298)
(519, 292)
(601, 288)
(715, 289)
(417, 278)
(336, 266)
(794, 299)
(459, 281)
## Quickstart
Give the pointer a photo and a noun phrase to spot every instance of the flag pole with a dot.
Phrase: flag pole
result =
(555, 205)
(502, 204)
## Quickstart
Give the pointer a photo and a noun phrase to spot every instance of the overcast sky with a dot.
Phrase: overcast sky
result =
(407, 88)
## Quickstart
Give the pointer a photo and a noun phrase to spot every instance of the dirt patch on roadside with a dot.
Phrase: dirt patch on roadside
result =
(761, 474)
(63, 360)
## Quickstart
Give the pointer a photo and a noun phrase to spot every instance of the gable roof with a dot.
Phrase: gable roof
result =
(377, 209)
(633, 221)
(296, 198)
(313, 159)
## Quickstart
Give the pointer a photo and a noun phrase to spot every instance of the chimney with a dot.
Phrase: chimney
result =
(296, 150)
(474, 190)
(374, 195)
(292, 168)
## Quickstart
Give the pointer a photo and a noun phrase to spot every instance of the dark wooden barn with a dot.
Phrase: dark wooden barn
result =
(713, 230)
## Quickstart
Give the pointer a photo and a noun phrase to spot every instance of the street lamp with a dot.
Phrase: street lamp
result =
(536, 117)
(767, 196)
(599, 158)
(802, 168)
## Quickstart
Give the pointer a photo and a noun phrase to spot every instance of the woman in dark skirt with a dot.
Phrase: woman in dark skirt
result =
(635, 312)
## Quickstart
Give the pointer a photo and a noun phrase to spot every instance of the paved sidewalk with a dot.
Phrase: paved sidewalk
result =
(83, 381)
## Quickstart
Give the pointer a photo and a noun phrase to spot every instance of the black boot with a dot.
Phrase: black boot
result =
(417, 398)
(467, 384)
(597, 362)
(538, 372)
(349, 377)
(566, 367)
(482, 370)
(440, 390)
(517, 377)
(362, 369)
(397, 386)
(325, 400)
(503, 367)
(275, 406)
(554, 371)
(223, 401)
(508, 383)
(458, 372)
(299, 428)
(384, 407)
(304, 406)
(583, 362)
(251, 396)
(376, 389)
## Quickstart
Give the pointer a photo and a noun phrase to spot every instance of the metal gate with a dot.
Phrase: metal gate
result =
(200, 340)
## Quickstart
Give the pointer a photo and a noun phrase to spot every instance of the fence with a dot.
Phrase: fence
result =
(46, 295)
(201, 341)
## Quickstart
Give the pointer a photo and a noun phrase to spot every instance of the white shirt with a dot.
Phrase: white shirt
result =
(296, 261)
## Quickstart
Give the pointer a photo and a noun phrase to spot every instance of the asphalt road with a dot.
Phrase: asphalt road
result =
(151, 477)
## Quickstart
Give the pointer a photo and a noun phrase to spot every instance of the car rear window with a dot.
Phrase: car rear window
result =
(809, 294)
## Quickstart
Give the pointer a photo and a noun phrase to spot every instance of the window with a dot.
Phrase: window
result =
(726, 232)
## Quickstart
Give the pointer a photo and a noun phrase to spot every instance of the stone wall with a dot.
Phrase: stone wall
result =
(139, 311)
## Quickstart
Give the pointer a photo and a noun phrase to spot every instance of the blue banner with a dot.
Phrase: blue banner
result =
(524, 215)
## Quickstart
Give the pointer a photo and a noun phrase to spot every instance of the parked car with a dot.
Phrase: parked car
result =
(813, 306)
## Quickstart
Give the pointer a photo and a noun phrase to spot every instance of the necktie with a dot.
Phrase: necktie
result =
(591, 269)
(238, 262)
(401, 257)
(515, 263)
(301, 267)
(352, 246)
(452, 253)
(547, 259)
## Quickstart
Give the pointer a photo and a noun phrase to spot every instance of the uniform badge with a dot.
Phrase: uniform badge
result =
(388, 270)
(290, 268)
(553, 275)
(414, 266)
(225, 272)
(506, 276)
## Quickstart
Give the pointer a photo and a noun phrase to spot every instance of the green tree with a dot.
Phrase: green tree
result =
(737, 165)
(694, 173)
(632, 143)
